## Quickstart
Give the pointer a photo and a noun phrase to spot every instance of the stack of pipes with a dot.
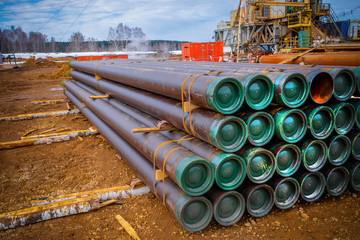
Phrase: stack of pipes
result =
(216, 139)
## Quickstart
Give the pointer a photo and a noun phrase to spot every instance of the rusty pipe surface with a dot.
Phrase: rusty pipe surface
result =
(230, 169)
(193, 213)
(321, 59)
(220, 93)
(225, 132)
(193, 174)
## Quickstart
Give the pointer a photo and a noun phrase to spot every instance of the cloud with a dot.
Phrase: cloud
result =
(159, 19)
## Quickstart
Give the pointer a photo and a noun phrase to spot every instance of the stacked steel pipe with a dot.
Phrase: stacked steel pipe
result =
(214, 139)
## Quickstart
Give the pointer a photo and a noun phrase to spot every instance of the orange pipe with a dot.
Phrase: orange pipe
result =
(339, 59)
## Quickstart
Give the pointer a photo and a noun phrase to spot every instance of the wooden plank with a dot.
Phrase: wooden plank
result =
(102, 194)
(128, 228)
(52, 101)
(38, 115)
(77, 133)
(36, 214)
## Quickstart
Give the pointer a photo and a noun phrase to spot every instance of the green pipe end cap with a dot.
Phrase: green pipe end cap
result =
(261, 165)
(291, 125)
(259, 92)
(286, 193)
(288, 160)
(312, 186)
(260, 201)
(225, 95)
(229, 208)
(228, 133)
(344, 117)
(337, 181)
(339, 150)
(294, 90)
(314, 155)
(230, 170)
(344, 84)
(193, 213)
(356, 147)
(195, 175)
(261, 128)
(321, 121)
(355, 178)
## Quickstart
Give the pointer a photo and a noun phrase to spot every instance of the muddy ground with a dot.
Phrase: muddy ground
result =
(80, 165)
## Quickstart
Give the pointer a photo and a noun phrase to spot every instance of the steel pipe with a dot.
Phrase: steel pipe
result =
(339, 149)
(337, 180)
(314, 155)
(261, 163)
(222, 94)
(290, 124)
(230, 169)
(193, 174)
(193, 213)
(260, 127)
(227, 133)
(286, 192)
(316, 58)
(291, 89)
(288, 158)
(259, 199)
(321, 121)
(344, 117)
(229, 206)
(354, 170)
(312, 185)
(354, 136)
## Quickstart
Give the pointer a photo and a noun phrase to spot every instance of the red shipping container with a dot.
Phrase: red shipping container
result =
(206, 51)
(103, 57)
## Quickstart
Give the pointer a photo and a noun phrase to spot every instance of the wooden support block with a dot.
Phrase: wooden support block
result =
(160, 175)
(154, 129)
(98, 97)
(68, 106)
(127, 227)
(189, 107)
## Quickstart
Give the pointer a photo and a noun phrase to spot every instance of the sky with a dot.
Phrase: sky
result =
(185, 20)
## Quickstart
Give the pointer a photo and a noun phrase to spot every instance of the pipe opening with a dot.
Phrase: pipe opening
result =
(321, 88)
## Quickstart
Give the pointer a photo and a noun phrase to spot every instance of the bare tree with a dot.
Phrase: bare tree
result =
(76, 40)
(37, 42)
(138, 33)
(53, 45)
(92, 44)
(112, 38)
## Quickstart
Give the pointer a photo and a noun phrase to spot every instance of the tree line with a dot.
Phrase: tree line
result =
(119, 38)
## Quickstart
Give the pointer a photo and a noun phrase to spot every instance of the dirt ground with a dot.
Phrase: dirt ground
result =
(73, 166)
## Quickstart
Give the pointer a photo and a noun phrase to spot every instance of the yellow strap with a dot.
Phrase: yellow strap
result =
(185, 138)
(189, 90)
(163, 180)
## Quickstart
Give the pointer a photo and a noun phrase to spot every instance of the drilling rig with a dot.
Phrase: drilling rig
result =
(265, 26)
